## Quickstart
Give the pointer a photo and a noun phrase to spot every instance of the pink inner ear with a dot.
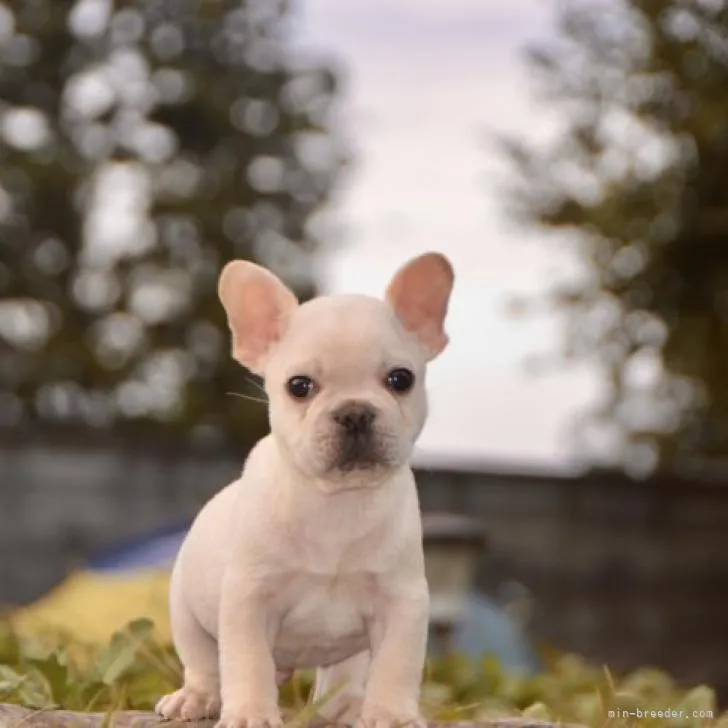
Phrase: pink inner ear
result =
(257, 322)
(258, 305)
(420, 293)
(425, 318)
(425, 322)
(256, 327)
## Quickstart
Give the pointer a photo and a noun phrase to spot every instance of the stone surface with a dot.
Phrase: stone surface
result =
(15, 716)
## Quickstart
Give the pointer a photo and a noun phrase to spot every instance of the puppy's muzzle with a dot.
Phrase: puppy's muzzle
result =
(358, 445)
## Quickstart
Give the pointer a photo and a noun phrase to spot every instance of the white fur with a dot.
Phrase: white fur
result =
(296, 564)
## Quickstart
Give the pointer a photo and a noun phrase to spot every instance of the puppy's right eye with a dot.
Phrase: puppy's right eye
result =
(301, 387)
(400, 380)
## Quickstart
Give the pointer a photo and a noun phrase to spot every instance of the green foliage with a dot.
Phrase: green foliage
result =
(133, 671)
(130, 672)
(635, 178)
(144, 144)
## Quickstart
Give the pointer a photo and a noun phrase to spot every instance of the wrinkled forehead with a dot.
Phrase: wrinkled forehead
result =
(344, 334)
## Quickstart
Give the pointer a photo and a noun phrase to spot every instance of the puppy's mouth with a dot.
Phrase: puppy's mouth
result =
(357, 453)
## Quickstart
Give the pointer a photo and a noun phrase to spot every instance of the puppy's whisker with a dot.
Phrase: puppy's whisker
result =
(256, 384)
(249, 397)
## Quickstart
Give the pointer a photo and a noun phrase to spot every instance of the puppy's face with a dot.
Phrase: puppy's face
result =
(345, 375)
(346, 388)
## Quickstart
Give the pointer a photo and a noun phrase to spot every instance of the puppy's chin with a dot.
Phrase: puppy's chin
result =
(354, 475)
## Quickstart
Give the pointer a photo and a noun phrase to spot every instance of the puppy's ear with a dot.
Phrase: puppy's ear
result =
(420, 293)
(258, 307)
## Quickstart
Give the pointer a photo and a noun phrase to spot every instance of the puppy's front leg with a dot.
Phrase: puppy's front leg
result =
(247, 671)
(398, 637)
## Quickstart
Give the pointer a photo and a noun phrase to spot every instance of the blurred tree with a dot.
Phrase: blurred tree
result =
(634, 174)
(142, 145)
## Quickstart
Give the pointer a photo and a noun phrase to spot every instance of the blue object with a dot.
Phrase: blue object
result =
(486, 629)
(155, 550)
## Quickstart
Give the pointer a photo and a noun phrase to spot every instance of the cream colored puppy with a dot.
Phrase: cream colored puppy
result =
(313, 557)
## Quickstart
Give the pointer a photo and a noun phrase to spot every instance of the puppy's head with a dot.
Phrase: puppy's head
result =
(344, 374)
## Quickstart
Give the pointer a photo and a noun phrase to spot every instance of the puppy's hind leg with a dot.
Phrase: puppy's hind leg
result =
(346, 682)
(199, 696)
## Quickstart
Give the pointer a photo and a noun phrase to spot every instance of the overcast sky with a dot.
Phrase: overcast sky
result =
(428, 82)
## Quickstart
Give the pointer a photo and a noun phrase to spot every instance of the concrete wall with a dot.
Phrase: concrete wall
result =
(628, 573)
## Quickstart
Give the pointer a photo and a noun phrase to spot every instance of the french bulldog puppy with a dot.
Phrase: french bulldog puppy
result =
(313, 557)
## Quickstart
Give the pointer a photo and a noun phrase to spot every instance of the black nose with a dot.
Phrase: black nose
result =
(356, 419)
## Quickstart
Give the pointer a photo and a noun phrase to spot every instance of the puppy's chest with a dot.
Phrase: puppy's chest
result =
(324, 620)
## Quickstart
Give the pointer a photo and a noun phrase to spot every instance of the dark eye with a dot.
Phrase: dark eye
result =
(400, 380)
(301, 387)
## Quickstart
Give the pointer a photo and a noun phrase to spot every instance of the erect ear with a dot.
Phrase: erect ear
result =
(420, 293)
(258, 307)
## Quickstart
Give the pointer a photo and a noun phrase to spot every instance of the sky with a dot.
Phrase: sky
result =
(428, 84)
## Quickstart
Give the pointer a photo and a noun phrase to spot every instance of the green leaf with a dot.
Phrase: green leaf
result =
(538, 711)
(87, 695)
(9, 644)
(10, 681)
(700, 698)
(36, 691)
(141, 629)
(492, 673)
(588, 709)
(56, 675)
(145, 688)
(121, 654)
(306, 715)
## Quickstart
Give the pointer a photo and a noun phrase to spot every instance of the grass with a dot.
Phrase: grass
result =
(133, 670)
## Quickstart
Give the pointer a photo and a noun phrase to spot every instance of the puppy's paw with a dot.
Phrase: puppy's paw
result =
(384, 718)
(254, 716)
(188, 704)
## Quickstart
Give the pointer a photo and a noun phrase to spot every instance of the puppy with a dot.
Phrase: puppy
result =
(313, 557)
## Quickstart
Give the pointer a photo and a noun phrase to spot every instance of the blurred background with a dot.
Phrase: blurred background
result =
(570, 158)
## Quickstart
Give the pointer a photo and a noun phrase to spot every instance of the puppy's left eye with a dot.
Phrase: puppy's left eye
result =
(400, 380)
(301, 387)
